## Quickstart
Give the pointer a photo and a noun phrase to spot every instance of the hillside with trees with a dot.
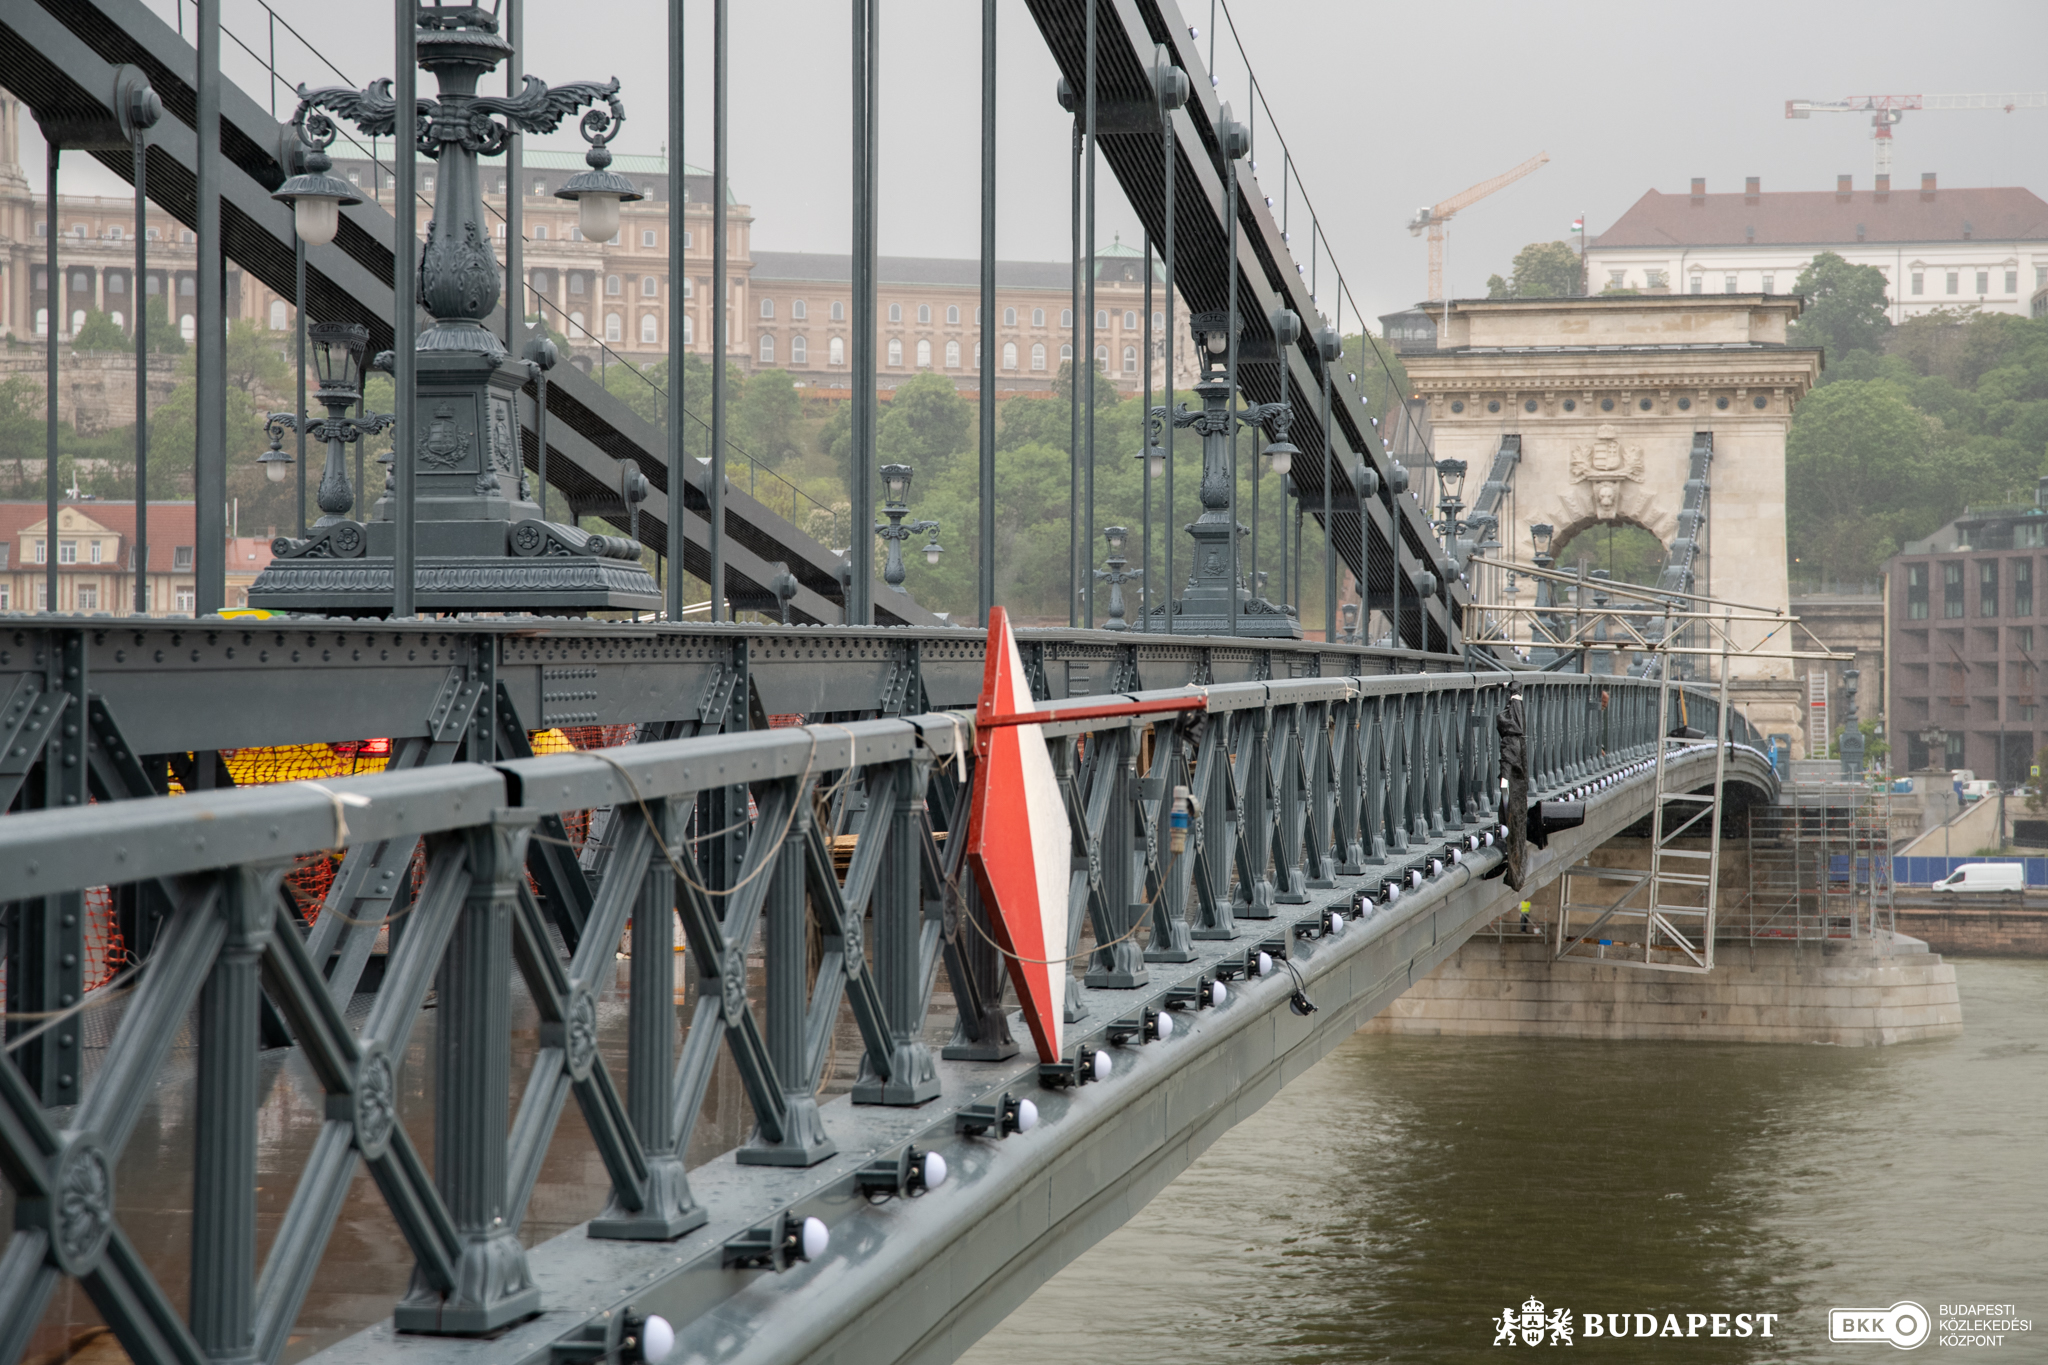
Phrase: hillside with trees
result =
(1909, 422)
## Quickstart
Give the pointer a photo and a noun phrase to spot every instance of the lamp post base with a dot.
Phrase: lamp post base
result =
(556, 585)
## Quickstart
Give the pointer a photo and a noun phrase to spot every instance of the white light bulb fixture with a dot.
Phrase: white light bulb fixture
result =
(1218, 993)
(1103, 1065)
(1265, 964)
(316, 198)
(1027, 1116)
(1165, 1026)
(816, 1237)
(1336, 922)
(934, 1170)
(658, 1338)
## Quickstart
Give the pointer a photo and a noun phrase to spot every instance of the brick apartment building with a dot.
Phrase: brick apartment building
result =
(1968, 616)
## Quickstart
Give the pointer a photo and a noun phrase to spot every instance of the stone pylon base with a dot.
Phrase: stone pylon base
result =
(1857, 993)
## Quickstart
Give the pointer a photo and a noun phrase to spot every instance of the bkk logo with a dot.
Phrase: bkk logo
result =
(1905, 1324)
(1534, 1326)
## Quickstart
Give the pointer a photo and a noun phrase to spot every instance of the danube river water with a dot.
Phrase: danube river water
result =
(1390, 1204)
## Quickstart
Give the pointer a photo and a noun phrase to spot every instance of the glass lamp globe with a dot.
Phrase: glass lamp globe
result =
(597, 194)
(316, 199)
(1280, 456)
(932, 552)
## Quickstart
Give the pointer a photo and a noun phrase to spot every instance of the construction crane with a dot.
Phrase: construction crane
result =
(1436, 218)
(1887, 110)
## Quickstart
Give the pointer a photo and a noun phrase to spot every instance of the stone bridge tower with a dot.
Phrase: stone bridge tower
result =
(1607, 394)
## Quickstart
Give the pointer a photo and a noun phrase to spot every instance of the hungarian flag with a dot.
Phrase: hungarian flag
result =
(1579, 224)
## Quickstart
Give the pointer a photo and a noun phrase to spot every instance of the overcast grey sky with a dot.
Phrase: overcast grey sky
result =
(1385, 107)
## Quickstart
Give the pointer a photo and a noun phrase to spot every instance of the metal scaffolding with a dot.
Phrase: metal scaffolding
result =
(1820, 865)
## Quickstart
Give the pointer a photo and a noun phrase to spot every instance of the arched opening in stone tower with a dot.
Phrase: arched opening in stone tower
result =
(1629, 553)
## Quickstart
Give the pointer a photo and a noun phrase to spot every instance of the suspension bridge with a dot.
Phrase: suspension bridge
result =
(346, 898)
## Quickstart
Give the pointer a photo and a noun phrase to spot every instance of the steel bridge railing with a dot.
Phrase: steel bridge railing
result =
(1300, 781)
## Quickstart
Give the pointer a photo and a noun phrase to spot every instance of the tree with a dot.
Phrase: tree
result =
(100, 333)
(1063, 385)
(1542, 270)
(1862, 473)
(641, 388)
(927, 422)
(255, 359)
(164, 336)
(1844, 307)
(770, 413)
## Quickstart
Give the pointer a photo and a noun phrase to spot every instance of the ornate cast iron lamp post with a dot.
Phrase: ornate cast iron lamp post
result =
(1852, 731)
(896, 480)
(1205, 606)
(1116, 576)
(482, 544)
(338, 359)
(1546, 594)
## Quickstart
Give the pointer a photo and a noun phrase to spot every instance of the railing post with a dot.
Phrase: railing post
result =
(46, 945)
(899, 940)
(804, 1141)
(668, 1209)
(1348, 840)
(1399, 748)
(1290, 819)
(1118, 965)
(1322, 815)
(1171, 940)
(1212, 837)
(473, 1097)
(223, 1300)
(1372, 752)
(1255, 816)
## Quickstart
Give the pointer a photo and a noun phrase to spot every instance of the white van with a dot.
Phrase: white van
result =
(2010, 877)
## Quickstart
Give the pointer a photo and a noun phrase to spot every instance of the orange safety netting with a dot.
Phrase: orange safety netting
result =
(313, 874)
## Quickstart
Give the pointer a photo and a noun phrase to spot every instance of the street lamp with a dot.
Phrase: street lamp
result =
(1852, 733)
(337, 349)
(1540, 533)
(316, 197)
(1216, 599)
(277, 462)
(598, 191)
(1116, 575)
(1451, 486)
(463, 490)
(896, 480)
(1212, 339)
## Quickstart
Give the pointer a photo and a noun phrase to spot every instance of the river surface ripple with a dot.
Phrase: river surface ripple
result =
(1393, 1201)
